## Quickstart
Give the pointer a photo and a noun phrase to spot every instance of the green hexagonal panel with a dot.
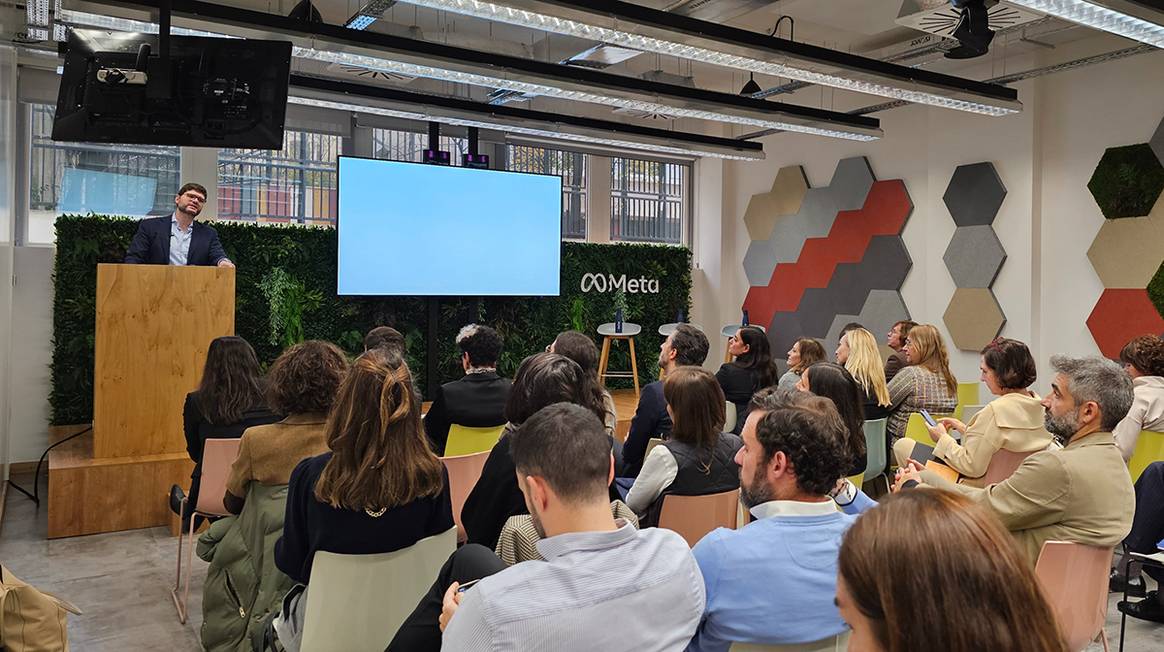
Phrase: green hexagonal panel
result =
(1127, 181)
(1156, 290)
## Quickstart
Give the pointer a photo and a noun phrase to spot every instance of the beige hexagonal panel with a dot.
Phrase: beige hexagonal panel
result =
(1127, 252)
(783, 199)
(973, 318)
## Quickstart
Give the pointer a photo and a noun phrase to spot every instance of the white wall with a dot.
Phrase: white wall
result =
(1043, 155)
(31, 355)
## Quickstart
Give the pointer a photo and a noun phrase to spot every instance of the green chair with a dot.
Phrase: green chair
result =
(967, 395)
(464, 440)
(875, 448)
(1149, 448)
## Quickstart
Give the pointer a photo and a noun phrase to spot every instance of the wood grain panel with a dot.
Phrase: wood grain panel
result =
(154, 323)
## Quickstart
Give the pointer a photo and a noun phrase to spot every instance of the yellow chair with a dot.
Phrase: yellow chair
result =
(857, 480)
(917, 430)
(464, 440)
(1149, 448)
(967, 395)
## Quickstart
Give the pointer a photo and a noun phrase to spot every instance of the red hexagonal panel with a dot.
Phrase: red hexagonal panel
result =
(1120, 315)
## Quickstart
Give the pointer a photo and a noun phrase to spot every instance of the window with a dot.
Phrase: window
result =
(296, 184)
(133, 180)
(571, 166)
(648, 200)
(396, 145)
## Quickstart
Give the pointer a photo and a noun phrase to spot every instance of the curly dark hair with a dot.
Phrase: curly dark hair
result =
(808, 430)
(1146, 354)
(306, 377)
(483, 344)
(1012, 363)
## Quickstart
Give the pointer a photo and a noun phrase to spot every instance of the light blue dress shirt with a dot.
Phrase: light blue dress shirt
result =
(179, 242)
(626, 589)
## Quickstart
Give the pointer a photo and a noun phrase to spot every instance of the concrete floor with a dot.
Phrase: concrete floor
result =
(122, 582)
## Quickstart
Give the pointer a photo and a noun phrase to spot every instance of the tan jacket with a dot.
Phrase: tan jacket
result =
(1013, 422)
(270, 453)
(1080, 493)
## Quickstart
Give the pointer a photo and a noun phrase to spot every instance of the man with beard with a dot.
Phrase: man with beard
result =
(1081, 492)
(774, 581)
(598, 571)
(177, 239)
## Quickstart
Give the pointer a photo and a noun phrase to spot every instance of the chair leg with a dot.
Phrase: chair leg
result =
(1103, 639)
(189, 564)
(179, 603)
(603, 360)
(634, 365)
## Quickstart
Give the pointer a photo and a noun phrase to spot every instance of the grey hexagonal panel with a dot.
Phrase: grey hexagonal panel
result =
(817, 309)
(882, 310)
(834, 335)
(788, 236)
(975, 194)
(850, 184)
(850, 289)
(974, 256)
(759, 263)
(1157, 142)
(886, 263)
(783, 331)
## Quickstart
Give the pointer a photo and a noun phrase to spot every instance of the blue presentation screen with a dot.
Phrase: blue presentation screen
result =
(424, 230)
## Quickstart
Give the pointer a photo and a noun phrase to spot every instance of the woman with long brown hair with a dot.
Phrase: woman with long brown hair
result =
(578, 347)
(804, 353)
(930, 569)
(926, 384)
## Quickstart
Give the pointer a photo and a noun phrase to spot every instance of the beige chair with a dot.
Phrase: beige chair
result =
(838, 643)
(356, 603)
(694, 516)
(1002, 465)
(730, 415)
(464, 472)
(217, 457)
(651, 444)
(1074, 578)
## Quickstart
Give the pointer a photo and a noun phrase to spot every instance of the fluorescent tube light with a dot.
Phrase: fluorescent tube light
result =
(1125, 19)
(368, 14)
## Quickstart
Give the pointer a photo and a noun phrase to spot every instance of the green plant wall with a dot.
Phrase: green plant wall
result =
(294, 268)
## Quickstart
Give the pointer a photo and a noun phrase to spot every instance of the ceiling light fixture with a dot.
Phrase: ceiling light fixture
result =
(751, 87)
(1125, 18)
(651, 30)
(372, 11)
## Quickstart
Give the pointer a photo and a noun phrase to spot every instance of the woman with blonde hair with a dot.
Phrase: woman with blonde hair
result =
(909, 567)
(804, 353)
(857, 352)
(926, 384)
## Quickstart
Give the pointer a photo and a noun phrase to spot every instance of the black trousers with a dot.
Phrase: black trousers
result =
(1148, 522)
(421, 631)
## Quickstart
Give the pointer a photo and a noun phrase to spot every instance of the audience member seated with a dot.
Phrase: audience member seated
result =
(519, 536)
(931, 570)
(857, 352)
(1145, 537)
(773, 581)
(229, 399)
(687, 346)
(804, 353)
(1143, 359)
(379, 489)
(478, 399)
(604, 584)
(581, 349)
(1080, 492)
(926, 384)
(542, 379)
(384, 337)
(302, 383)
(1013, 422)
(895, 340)
(751, 371)
(698, 457)
(834, 382)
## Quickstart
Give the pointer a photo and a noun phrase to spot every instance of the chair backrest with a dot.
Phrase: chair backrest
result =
(1002, 465)
(217, 457)
(694, 516)
(969, 411)
(875, 447)
(838, 643)
(357, 602)
(651, 443)
(1074, 578)
(967, 394)
(464, 440)
(730, 416)
(917, 430)
(464, 472)
(1149, 448)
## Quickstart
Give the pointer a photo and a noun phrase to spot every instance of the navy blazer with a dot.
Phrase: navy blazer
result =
(151, 244)
(650, 420)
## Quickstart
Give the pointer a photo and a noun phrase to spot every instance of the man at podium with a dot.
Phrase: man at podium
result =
(178, 239)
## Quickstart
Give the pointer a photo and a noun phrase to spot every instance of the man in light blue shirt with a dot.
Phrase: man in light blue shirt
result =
(773, 581)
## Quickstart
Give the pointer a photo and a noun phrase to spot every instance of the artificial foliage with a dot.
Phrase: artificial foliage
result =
(1156, 290)
(293, 270)
(1127, 181)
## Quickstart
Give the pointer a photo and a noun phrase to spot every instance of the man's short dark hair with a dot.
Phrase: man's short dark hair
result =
(384, 337)
(808, 430)
(851, 326)
(567, 445)
(690, 345)
(483, 344)
(906, 326)
(187, 187)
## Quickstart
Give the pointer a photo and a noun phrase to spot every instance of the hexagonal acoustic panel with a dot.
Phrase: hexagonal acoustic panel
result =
(1156, 290)
(1126, 253)
(974, 195)
(882, 309)
(1127, 181)
(973, 318)
(974, 256)
(1157, 142)
(1120, 315)
(783, 199)
(850, 183)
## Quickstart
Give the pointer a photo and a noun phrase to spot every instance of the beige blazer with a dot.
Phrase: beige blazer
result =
(1014, 422)
(1079, 493)
(269, 453)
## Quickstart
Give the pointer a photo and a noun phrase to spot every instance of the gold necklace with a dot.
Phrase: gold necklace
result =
(375, 514)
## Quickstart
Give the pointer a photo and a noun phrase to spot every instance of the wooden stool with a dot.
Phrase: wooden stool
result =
(628, 333)
(730, 330)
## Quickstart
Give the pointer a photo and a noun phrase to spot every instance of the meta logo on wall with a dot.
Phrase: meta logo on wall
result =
(609, 283)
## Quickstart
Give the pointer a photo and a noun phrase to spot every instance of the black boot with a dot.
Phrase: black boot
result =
(1135, 584)
(1149, 608)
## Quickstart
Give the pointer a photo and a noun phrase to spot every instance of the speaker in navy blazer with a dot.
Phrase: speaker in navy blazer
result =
(151, 244)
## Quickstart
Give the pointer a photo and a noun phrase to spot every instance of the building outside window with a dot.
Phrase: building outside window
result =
(295, 184)
(571, 167)
(648, 200)
(399, 145)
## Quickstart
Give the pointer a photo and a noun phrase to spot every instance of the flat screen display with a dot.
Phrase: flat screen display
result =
(433, 230)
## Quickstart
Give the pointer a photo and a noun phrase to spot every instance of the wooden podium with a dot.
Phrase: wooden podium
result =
(154, 325)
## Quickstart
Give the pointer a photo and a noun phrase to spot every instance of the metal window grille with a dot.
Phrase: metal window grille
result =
(50, 159)
(295, 184)
(397, 145)
(571, 166)
(648, 200)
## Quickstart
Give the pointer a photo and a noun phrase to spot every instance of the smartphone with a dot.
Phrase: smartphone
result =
(467, 585)
(928, 418)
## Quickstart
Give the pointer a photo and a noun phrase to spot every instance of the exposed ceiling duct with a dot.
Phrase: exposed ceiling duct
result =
(940, 17)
